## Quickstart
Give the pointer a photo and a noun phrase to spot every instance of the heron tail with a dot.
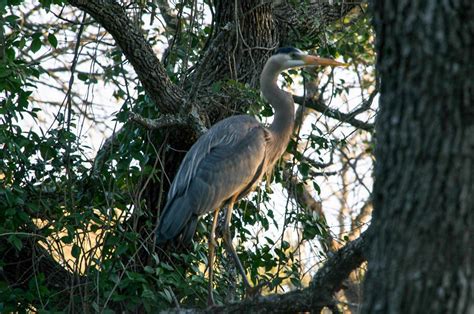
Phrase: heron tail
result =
(174, 220)
(189, 230)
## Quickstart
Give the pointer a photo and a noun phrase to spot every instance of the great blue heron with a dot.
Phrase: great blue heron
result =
(228, 161)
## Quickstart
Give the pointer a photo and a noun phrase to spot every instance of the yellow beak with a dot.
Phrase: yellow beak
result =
(313, 60)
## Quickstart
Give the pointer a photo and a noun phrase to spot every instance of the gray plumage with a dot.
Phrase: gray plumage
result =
(227, 162)
(231, 158)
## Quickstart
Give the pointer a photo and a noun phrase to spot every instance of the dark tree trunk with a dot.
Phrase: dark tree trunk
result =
(421, 256)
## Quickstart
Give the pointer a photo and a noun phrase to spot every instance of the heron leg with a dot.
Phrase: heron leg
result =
(210, 261)
(230, 247)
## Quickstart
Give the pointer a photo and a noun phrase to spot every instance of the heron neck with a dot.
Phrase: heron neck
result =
(281, 101)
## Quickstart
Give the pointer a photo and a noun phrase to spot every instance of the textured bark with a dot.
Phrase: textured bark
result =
(244, 38)
(246, 34)
(298, 19)
(421, 252)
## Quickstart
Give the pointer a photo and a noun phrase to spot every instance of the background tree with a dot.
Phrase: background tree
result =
(421, 240)
(77, 222)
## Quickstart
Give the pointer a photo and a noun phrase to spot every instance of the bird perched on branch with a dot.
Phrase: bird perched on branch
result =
(228, 161)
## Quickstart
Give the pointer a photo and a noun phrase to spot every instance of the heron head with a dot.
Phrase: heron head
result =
(289, 57)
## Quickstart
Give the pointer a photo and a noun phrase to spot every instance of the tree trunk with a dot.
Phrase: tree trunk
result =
(421, 250)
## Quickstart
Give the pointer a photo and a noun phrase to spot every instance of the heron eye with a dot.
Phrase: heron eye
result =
(293, 55)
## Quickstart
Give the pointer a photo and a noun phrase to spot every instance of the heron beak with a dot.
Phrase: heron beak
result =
(313, 60)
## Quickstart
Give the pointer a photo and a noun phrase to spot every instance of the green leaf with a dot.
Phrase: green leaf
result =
(121, 248)
(47, 152)
(82, 76)
(149, 269)
(270, 241)
(167, 267)
(13, 239)
(14, 2)
(216, 87)
(267, 111)
(76, 251)
(295, 281)
(5, 73)
(3, 4)
(53, 40)
(11, 19)
(36, 44)
(304, 169)
(316, 188)
(166, 295)
(66, 239)
(147, 293)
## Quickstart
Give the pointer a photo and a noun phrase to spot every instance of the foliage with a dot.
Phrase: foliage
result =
(90, 213)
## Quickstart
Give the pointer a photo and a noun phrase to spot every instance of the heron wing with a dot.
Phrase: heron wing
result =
(224, 162)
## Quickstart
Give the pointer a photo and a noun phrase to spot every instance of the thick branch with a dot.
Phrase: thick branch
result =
(168, 120)
(320, 292)
(169, 18)
(302, 196)
(167, 96)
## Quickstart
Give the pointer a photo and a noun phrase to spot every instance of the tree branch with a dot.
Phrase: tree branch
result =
(167, 120)
(166, 95)
(333, 113)
(166, 13)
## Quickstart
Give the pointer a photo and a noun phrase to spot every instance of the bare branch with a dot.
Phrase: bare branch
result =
(166, 95)
(365, 104)
(362, 219)
(317, 164)
(319, 106)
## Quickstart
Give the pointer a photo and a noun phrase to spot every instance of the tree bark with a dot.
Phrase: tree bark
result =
(421, 250)
(307, 19)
